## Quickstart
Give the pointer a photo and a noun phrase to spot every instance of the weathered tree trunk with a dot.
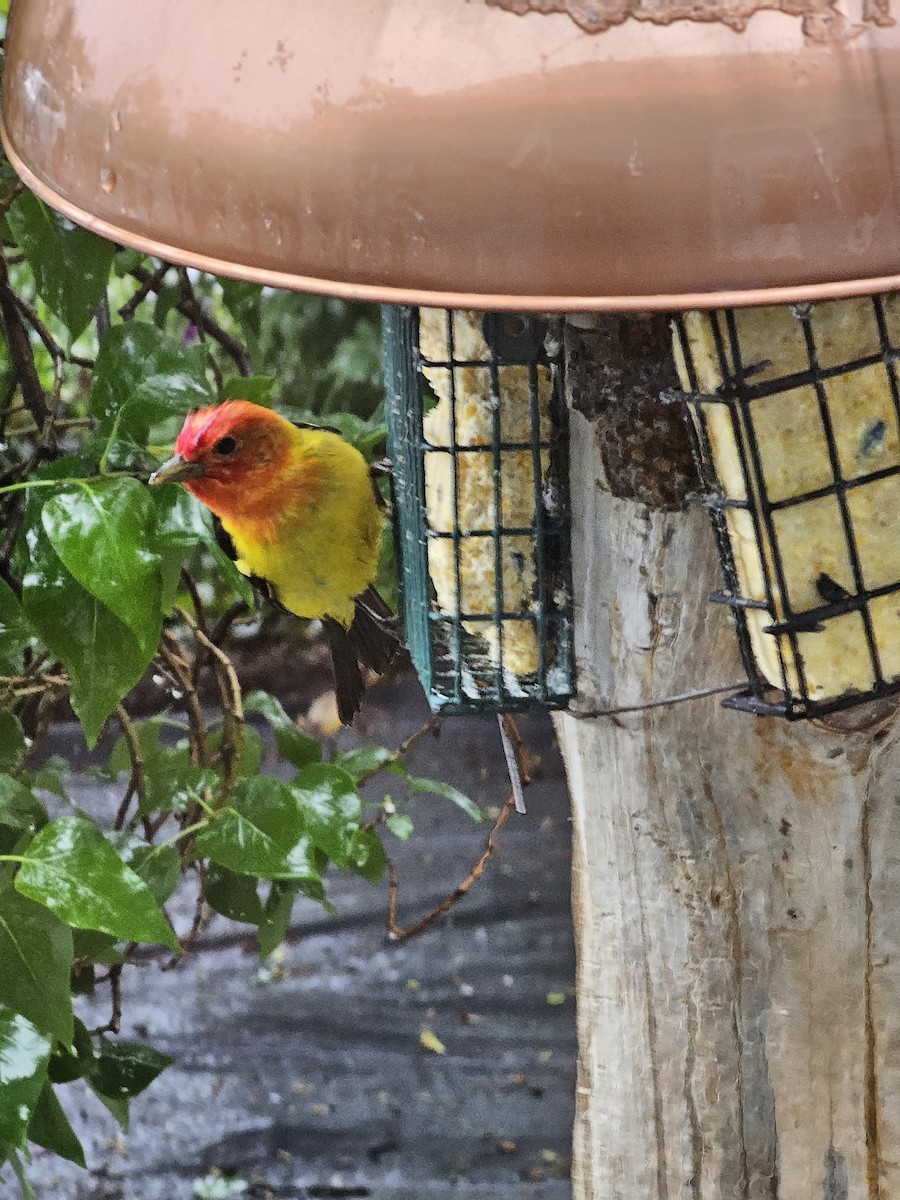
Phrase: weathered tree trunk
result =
(736, 886)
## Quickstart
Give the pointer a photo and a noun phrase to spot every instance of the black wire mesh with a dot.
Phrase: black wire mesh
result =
(477, 434)
(797, 421)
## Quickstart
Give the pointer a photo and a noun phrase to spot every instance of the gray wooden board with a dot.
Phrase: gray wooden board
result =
(316, 1083)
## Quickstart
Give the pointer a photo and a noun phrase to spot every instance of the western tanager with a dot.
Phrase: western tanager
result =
(304, 518)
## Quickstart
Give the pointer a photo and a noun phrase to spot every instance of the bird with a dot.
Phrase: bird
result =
(304, 518)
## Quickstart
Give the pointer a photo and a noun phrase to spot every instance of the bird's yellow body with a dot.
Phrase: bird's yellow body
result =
(316, 543)
(304, 518)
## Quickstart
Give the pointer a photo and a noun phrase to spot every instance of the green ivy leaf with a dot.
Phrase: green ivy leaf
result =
(24, 1054)
(297, 747)
(171, 781)
(276, 916)
(232, 895)
(18, 807)
(400, 826)
(261, 833)
(117, 1105)
(71, 266)
(72, 870)
(36, 953)
(15, 632)
(367, 857)
(141, 367)
(363, 760)
(48, 777)
(257, 389)
(232, 576)
(243, 301)
(434, 787)
(96, 947)
(12, 741)
(101, 532)
(103, 657)
(331, 808)
(251, 756)
(68, 1063)
(51, 1129)
(125, 1069)
(158, 866)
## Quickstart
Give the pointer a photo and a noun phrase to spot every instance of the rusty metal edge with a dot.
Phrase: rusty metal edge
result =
(379, 294)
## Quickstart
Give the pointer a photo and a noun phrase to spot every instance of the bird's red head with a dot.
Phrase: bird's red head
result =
(230, 456)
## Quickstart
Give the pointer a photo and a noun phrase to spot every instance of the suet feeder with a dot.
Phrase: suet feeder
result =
(797, 417)
(478, 442)
(500, 157)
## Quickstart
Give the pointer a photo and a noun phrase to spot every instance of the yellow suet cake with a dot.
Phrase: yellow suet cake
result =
(795, 461)
(469, 388)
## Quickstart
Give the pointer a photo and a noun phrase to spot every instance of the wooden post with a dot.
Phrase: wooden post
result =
(736, 879)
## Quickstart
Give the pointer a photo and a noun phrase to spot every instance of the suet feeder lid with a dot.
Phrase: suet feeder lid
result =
(473, 153)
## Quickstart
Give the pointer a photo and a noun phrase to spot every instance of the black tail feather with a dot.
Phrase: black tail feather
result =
(371, 640)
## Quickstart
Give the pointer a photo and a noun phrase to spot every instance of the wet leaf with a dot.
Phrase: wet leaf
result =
(36, 953)
(125, 1069)
(297, 747)
(262, 833)
(19, 809)
(24, 1054)
(15, 632)
(71, 266)
(367, 857)
(276, 916)
(159, 867)
(243, 302)
(141, 367)
(101, 532)
(12, 741)
(72, 870)
(171, 781)
(258, 389)
(434, 787)
(103, 656)
(50, 1128)
(232, 895)
(363, 761)
(400, 826)
(117, 1105)
(331, 809)
(67, 1063)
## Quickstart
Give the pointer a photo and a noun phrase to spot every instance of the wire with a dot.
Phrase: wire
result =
(681, 698)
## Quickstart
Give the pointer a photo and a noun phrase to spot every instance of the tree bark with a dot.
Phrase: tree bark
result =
(736, 891)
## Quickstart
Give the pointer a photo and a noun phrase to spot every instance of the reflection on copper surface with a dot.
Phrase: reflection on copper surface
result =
(464, 153)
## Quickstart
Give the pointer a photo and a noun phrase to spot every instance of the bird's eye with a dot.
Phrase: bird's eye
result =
(225, 445)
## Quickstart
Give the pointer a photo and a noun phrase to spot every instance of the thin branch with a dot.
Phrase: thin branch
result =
(20, 350)
(203, 918)
(189, 307)
(395, 931)
(138, 780)
(432, 725)
(179, 668)
(232, 704)
(114, 1024)
(52, 346)
(152, 283)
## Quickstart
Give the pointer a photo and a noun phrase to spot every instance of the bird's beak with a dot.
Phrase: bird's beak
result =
(176, 470)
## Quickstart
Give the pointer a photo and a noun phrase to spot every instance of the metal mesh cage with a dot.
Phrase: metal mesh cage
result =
(797, 417)
(477, 435)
